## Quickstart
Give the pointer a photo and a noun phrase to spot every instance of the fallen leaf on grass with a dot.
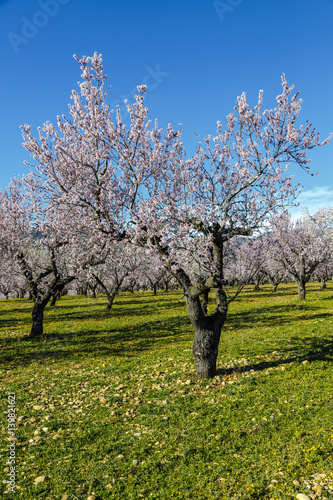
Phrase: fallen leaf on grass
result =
(39, 479)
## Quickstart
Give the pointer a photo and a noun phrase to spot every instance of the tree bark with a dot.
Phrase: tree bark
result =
(207, 333)
(205, 301)
(93, 291)
(275, 287)
(257, 285)
(55, 297)
(323, 284)
(205, 351)
(37, 320)
(301, 289)
(110, 297)
(40, 303)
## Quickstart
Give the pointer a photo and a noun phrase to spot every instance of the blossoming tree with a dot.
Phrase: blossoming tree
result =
(136, 183)
(299, 247)
(44, 245)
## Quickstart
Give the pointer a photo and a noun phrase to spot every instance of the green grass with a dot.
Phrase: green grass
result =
(127, 419)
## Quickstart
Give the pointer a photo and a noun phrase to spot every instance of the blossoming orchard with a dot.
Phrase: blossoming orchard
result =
(118, 207)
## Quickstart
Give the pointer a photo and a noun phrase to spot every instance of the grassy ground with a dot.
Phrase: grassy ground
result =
(108, 405)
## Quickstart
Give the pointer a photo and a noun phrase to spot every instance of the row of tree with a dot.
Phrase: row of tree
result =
(288, 250)
(99, 188)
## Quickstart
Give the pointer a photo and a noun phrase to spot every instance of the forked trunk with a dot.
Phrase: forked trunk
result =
(207, 332)
(275, 287)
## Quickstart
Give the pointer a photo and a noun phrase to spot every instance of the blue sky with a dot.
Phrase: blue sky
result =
(196, 57)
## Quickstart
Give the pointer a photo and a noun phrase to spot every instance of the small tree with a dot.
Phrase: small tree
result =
(112, 274)
(44, 245)
(137, 183)
(272, 268)
(299, 247)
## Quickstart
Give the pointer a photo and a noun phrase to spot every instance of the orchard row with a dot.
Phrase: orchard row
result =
(116, 204)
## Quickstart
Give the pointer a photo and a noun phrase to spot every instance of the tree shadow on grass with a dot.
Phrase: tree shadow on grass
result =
(309, 349)
(273, 315)
(19, 310)
(64, 312)
(283, 292)
(124, 342)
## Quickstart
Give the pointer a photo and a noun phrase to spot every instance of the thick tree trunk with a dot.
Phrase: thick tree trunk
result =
(37, 320)
(301, 289)
(207, 332)
(205, 351)
(154, 289)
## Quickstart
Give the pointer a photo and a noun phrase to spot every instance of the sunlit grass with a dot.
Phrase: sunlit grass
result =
(126, 418)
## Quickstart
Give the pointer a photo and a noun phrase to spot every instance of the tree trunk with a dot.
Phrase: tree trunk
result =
(275, 287)
(205, 351)
(207, 332)
(205, 302)
(40, 303)
(154, 289)
(323, 284)
(55, 296)
(301, 289)
(110, 297)
(257, 285)
(37, 320)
